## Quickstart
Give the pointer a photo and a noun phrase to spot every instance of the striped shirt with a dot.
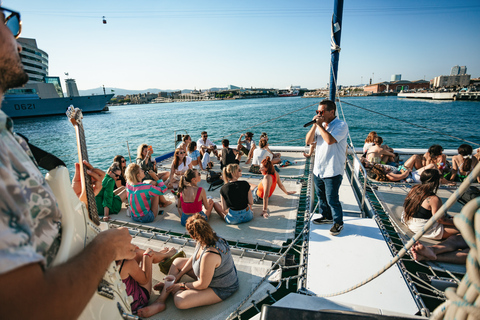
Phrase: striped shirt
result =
(139, 196)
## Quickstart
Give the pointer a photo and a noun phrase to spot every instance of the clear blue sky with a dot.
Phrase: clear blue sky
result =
(203, 44)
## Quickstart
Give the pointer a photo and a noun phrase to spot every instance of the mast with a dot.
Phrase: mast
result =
(335, 45)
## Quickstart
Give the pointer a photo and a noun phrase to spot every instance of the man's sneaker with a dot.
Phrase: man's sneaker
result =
(336, 229)
(322, 220)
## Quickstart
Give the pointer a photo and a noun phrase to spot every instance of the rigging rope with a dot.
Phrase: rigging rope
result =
(472, 260)
(410, 123)
(256, 125)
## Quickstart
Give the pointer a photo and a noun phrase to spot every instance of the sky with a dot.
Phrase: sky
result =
(261, 44)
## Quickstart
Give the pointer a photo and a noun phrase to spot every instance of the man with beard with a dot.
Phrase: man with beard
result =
(30, 221)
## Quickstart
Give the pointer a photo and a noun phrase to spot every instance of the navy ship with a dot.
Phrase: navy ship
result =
(43, 94)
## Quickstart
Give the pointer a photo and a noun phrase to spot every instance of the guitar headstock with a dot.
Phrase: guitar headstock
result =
(75, 115)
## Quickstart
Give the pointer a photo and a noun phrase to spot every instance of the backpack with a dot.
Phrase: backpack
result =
(214, 179)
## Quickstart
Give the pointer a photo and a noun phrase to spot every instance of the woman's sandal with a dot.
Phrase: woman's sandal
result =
(165, 265)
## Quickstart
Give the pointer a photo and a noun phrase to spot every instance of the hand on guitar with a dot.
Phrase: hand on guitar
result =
(118, 242)
(96, 174)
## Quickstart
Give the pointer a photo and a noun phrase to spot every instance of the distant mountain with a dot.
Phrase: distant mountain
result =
(119, 91)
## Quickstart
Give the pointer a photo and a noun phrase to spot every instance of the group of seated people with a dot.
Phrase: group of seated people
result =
(142, 187)
(382, 164)
(429, 170)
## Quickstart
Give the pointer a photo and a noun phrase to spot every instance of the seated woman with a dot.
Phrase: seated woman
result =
(378, 154)
(433, 156)
(180, 164)
(191, 197)
(149, 165)
(369, 141)
(211, 266)
(463, 163)
(265, 189)
(235, 197)
(261, 153)
(137, 274)
(276, 155)
(422, 203)
(107, 201)
(381, 172)
(195, 155)
(186, 140)
(144, 198)
(122, 164)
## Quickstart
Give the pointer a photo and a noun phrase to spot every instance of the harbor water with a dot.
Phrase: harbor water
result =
(111, 133)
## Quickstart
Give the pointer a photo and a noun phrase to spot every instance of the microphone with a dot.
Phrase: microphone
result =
(309, 123)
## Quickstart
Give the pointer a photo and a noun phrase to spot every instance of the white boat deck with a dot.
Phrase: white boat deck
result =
(336, 263)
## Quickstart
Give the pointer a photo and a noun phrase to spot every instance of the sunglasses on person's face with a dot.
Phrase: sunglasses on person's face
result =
(205, 136)
(181, 152)
(319, 112)
(123, 161)
(12, 21)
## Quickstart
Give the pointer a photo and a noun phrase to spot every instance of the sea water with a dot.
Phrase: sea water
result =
(122, 129)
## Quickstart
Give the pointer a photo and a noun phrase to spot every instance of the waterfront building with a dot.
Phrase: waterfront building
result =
(396, 77)
(451, 81)
(34, 60)
(458, 70)
(396, 86)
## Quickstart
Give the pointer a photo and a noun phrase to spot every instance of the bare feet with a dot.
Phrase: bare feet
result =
(165, 204)
(167, 253)
(420, 252)
(152, 309)
(159, 286)
(106, 218)
(265, 214)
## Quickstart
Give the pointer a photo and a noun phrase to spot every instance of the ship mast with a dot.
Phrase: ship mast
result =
(335, 46)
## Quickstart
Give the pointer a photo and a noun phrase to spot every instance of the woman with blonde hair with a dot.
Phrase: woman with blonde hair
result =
(422, 203)
(191, 197)
(235, 196)
(180, 164)
(144, 198)
(144, 160)
(211, 266)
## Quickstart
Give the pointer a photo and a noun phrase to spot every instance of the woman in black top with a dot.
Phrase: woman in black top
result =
(236, 198)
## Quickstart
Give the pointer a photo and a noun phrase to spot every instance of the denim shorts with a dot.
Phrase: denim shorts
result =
(149, 217)
(256, 198)
(239, 216)
(186, 216)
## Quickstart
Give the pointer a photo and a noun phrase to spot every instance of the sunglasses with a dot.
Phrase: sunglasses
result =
(205, 136)
(13, 21)
(123, 161)
(319, 112)
(117, 175)
(181, 152)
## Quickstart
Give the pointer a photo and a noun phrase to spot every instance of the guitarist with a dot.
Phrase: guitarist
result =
(30, 220)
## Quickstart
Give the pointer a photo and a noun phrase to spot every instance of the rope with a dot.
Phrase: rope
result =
(410, 123)
(439, 214)
(306, 226)
(462, 303)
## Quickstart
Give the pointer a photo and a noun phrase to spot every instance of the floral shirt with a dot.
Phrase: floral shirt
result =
(30, 220)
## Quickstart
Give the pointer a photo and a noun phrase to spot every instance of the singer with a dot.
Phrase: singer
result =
(330, 134)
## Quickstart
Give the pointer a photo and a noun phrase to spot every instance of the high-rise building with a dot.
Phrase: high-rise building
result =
(34, 60)
(72, 90)
(458, 70)
(396, 77)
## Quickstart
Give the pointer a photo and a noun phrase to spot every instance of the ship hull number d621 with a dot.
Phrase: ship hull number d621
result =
(25, 106)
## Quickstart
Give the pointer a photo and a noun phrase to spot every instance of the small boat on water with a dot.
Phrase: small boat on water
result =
(289, 93)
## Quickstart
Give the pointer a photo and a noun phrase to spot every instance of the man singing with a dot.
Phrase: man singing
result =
(330, 134)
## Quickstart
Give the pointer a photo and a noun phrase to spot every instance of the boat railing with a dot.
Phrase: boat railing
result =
(355, 168)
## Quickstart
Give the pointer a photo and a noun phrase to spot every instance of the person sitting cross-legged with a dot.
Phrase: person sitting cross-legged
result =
(229, 155)
(211, 266)
(452, 250)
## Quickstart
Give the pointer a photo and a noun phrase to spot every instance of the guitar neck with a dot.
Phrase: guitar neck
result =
(89, 199)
